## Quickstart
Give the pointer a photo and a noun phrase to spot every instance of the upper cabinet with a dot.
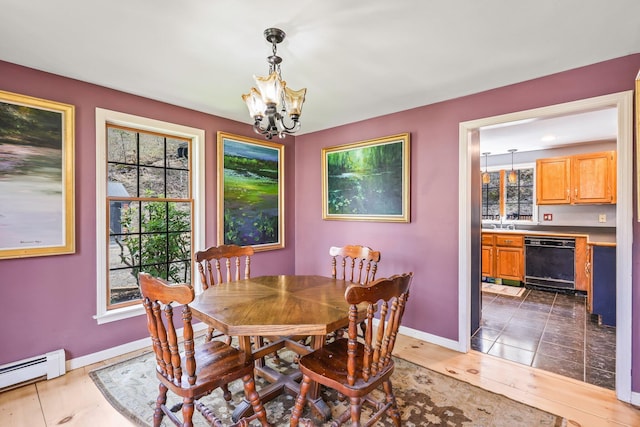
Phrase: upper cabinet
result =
(577, 179)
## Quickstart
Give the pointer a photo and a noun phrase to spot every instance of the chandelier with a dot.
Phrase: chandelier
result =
(273, 102)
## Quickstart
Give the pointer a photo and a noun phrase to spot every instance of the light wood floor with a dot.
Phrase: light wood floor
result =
(73, 399)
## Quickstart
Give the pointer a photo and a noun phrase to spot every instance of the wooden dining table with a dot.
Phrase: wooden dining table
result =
(285, 309)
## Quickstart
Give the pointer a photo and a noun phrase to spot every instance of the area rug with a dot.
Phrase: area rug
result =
(512, 291)
(425, 398)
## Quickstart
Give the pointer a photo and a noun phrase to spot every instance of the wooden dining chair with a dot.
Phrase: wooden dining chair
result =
(191, 372)
(221, 264)
(354, 368)
(355, 263)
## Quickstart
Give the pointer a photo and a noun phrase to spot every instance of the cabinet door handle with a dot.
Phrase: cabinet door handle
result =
(508, 241)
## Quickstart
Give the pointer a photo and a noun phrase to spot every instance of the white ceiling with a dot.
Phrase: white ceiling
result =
(550, 132)
(357, 59)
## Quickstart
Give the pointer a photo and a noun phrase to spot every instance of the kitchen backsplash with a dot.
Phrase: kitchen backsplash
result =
(577, 216)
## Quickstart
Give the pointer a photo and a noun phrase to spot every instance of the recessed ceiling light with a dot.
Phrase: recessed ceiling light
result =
(548, 138)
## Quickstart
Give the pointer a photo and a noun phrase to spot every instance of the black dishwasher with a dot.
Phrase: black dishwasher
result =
(550, 262)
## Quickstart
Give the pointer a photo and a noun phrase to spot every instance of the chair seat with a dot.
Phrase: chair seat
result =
(216, 364)
(328, 366)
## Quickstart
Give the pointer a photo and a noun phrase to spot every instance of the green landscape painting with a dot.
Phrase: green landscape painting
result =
(251, 193)
(368, 180)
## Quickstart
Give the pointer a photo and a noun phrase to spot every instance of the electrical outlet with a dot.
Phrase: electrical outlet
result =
(602, 218)
(547, 217)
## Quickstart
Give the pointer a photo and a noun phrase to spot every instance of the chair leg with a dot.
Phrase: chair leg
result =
(161, 400)
(355, 409)
(393, 411)
(253, 397)
(225, 392)
(187, 412)
(300, 401)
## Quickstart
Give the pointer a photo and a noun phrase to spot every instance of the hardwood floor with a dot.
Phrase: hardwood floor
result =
(73, 399)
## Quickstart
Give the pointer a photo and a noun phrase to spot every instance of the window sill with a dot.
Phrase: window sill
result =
(119, 314)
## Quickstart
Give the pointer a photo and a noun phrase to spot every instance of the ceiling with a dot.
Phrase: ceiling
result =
(550, 132)
(357, 59)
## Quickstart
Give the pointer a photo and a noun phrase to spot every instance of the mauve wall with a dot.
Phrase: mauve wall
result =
(48, 302)
(428, 245)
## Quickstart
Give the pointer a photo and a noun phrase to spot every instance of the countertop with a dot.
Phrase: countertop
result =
(594, 235)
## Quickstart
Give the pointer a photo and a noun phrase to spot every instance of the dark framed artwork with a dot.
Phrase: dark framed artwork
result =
(367, 180)
(37, 199)
(250, 192)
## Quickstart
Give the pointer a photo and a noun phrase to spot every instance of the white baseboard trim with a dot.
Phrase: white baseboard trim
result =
(119, 350)
(635, 398)
(433, 339)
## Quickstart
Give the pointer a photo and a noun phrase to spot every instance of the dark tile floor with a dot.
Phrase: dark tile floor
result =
(550, 331)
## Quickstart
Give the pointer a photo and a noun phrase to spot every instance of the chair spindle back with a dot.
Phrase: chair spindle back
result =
(355, 263)
(387, 297)
(225, 257)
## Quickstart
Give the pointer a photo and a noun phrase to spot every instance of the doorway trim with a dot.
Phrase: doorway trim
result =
(469, 154)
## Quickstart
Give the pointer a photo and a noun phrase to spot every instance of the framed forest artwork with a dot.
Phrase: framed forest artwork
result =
(367, 180)
(250, 192)
(37, 199)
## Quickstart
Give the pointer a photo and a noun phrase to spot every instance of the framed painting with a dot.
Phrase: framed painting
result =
(250, 192)
(367, 180)
(37, 198)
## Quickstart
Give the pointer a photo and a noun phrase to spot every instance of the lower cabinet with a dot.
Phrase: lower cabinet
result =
(603, 283)
(503, 256)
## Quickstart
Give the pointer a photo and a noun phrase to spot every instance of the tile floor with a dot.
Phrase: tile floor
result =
(550, 331)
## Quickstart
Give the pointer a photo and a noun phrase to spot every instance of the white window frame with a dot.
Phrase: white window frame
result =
(196, 159)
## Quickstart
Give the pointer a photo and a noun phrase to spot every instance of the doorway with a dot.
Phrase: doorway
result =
(470, 223)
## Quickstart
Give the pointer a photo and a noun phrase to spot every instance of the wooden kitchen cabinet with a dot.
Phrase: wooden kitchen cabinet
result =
(503, 256)
(487, 255)
(583, 264)
(553, 181)
(594, 177)
(578, 179)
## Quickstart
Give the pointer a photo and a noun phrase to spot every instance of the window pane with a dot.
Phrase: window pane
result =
(152, 150)
(123, 181)
(177, 153)
(152, 181)
(122, 146)
(177, 184)
(123, 286)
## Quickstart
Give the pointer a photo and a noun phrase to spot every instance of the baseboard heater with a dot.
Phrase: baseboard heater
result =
(46, 366)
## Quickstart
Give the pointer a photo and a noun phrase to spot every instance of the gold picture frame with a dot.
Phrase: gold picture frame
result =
(250, 192)
(368, 180)
(37, 199)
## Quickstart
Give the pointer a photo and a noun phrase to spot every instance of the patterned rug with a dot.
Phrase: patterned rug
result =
(425, 398)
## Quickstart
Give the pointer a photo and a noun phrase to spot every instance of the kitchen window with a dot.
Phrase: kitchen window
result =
(509, 201)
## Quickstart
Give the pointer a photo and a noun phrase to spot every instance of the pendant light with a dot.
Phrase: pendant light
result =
(485, 175)
(273, 100)
(513, 176)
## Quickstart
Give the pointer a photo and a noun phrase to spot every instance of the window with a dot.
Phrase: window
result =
(149, 197)
(491, 197)
(518, 204)
(513, 201)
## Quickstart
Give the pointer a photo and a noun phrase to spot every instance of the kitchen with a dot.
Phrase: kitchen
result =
(552, 234)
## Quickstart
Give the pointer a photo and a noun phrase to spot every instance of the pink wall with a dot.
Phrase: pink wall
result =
(428, 246)
(48, 302)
